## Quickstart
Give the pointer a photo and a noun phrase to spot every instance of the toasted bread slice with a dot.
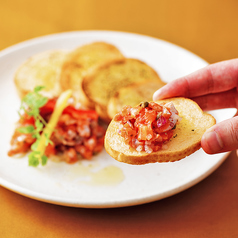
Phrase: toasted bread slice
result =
(132, 95)
(186, 139)
(83, 61)
(108, 79)
(42, 69)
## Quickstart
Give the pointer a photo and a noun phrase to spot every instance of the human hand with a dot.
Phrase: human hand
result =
(213, 87)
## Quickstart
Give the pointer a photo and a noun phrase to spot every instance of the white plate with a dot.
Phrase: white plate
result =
(102, 182)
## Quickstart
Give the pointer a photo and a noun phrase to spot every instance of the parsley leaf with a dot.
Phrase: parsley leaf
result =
(26, 129)
(41, 131)
(33, 158)
(31, 104)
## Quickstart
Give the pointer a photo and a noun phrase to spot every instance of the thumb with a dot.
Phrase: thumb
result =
(221, 137)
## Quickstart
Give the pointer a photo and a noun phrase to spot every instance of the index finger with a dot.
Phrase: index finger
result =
(215, 78)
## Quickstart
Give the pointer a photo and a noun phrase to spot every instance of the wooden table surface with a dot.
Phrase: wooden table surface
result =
(207, 28)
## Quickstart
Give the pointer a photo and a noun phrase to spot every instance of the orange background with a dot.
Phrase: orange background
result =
(207, 28)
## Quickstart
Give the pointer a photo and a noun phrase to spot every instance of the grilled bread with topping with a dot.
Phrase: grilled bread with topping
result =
(149, 133)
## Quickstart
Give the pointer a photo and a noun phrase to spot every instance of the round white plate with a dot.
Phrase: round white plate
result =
(101, 182)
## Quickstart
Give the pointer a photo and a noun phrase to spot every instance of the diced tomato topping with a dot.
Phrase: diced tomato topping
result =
(20, 143)
(50, 150)
(77, 134)
(48, 108)
(27, 120)
(78, 113)
(148, 126)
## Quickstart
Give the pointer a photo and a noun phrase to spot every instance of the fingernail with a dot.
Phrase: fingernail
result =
(212, 141)
(156, 95)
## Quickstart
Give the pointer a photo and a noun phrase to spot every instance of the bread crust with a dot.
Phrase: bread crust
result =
(185, 141)
(109, 78)
(132, 95)
(82, 62)
(41, 69)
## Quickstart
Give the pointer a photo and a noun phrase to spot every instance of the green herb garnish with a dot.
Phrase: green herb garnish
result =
(42, 131)
(31, 105)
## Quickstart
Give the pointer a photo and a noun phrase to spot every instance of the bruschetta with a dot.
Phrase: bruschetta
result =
(162, 131)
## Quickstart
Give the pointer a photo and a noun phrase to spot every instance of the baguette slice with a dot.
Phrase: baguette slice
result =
(108, 79)
(83, 61)
(186, 139)
(132, 95)
(42, 69)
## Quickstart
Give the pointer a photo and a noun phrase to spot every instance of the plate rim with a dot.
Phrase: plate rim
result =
(130, 202)
(113, 204)
(46, 37)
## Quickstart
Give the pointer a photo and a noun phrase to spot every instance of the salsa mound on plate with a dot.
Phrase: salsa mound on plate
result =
(77, 134)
